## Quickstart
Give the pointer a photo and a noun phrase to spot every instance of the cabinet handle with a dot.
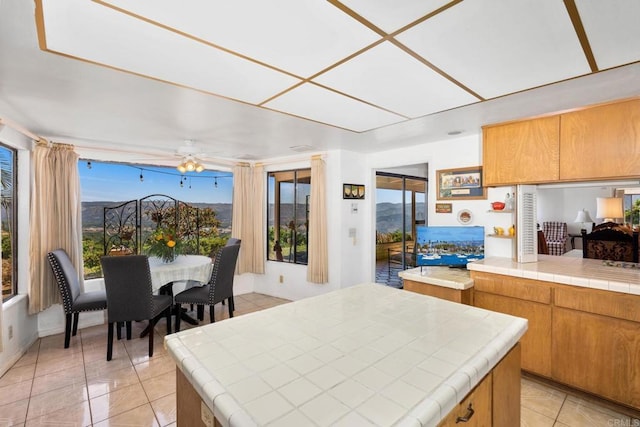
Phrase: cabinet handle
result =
(467, 416)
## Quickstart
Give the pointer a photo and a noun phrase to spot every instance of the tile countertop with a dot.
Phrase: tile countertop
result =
(368, 354)
(568, 270)
(454, 278)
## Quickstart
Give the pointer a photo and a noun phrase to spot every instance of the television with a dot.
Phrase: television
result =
(452, 246)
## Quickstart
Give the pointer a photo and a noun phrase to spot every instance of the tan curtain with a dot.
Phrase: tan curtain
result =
(318, 266)
(55, 218)
(247, 218)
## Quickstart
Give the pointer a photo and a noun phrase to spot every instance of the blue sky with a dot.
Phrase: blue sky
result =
(120, 182)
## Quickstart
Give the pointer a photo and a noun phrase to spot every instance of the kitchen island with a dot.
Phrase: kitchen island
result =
(368, 354)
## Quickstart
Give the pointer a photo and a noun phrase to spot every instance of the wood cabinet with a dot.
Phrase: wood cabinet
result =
(475, 408)
(463, 296)
(495, 401)
(524, 298)
(597, 342)
(582, 337)
(601, 142)
(597, 142)
(521, 152)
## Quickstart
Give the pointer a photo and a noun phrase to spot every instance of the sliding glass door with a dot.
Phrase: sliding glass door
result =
(400, 208)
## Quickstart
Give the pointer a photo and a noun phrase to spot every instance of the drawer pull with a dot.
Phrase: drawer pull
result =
(467, 416)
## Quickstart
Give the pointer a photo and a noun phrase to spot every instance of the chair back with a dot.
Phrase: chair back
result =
(224, 267)
(233, 241)
(612, 242)
(127, 281)
(66, 277)
(555, 231)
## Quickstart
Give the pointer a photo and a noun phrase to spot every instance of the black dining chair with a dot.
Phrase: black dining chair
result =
(74, 300)
(219, 288)
(127, 281)
(190, 283)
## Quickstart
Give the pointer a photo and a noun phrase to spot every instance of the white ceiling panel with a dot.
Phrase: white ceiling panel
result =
(316, 103)
(300, 36)
(501, 47)
(89, 31)
(393, 16)
(389, 78)
(613, 30)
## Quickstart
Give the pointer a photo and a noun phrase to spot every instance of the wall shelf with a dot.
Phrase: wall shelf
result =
(501, 236)
(501, 211)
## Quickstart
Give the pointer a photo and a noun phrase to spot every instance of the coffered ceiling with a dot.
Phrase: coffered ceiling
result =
(240, 76)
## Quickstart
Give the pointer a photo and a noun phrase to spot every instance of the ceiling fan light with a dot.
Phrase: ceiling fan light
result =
(199, 168)
(181, 168)
(190, 165)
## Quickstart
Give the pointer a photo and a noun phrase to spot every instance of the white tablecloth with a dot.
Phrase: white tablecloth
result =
(185, 267)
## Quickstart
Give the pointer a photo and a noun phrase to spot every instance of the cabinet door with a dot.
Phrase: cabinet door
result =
(601, 142)
(536, 342)
(598, 354)
(479, 400)
(521, 152)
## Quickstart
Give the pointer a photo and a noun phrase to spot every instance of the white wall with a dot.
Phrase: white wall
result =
(15, 311)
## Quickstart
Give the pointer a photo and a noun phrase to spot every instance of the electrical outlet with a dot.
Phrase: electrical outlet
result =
(206, 415)
(10, 331)
(281, 279)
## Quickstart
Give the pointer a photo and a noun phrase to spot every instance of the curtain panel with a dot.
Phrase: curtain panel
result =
(248, 216)
(55, 220)
(318, 265)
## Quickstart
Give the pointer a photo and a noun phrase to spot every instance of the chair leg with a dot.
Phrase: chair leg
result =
(230, 307)
(212, 318)
(168, 314)
(75, 324)
(67, 330)
(151, 333)
(233, 303)
(128, 326)
(200, 312)
(177, 309)
(119, 330)
(109, 340)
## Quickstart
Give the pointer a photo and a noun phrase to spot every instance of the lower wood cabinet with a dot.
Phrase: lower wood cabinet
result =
(463, 296)
(585, 338)
(495, 401)
(496, 293)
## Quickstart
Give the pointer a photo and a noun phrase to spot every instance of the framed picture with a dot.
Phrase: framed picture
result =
(444, 207)
(460, 184)
(352, 191)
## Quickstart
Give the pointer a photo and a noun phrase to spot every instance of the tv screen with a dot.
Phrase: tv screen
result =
(453, 246)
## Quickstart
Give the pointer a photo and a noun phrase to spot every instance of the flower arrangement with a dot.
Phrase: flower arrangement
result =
(164, 243)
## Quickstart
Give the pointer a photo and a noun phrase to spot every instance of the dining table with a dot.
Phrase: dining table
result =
(192, 268)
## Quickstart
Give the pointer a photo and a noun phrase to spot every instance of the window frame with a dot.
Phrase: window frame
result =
(14, 222)
(298, 176)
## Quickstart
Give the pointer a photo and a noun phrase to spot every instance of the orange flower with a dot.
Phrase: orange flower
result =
(171, 243)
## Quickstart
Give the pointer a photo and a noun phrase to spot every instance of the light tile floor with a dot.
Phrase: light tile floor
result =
(54, 386)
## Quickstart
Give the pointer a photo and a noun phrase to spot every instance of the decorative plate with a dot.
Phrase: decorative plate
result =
(465, 216)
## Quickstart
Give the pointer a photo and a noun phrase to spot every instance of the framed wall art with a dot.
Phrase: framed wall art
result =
(352, 191)
(460, 184)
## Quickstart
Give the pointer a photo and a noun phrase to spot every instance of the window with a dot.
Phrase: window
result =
(8, 227)
(121, 204)
(288, 215)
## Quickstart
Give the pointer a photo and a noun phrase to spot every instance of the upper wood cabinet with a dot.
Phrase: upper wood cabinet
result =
(601, 142)
(521, 152)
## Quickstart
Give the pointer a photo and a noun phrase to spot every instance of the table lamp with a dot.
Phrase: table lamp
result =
(609, 208)
(583, 217)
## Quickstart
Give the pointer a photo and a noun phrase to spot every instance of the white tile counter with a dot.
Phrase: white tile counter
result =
(368, 354)
(567, 270)
(454, 278)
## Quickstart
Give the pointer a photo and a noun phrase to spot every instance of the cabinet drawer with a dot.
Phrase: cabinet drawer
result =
(606, 303)
(514, 287)
(478, 401)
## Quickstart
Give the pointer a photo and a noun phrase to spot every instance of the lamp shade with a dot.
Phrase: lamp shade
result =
(609, 208)
(583, 216)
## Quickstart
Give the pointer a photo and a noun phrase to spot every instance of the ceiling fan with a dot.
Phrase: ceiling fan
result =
(190, 155)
